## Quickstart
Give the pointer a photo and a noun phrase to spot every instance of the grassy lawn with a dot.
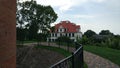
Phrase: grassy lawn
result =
(65, 44)
(110, 54)
(56, 49)
(30, 41)
(85, 65)
(18, 42)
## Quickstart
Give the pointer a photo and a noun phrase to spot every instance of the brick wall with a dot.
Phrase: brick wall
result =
(7, 34)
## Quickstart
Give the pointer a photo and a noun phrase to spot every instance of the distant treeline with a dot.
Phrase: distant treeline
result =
(104, 39)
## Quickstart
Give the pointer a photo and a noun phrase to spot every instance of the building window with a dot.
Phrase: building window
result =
(72, 34)
(60, 30)
(60, 34)
(65, 30)
(55, 34)
(69, 34)
(66, 34)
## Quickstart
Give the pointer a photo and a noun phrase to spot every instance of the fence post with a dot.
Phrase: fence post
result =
(73, 60)
(68, 46)
(82, 57)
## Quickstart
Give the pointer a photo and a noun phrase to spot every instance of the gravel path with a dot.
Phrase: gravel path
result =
(30, 57)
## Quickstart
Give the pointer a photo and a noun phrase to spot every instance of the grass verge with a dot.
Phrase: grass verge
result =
(65, 44)
(85, 65)
(108, 53)
(30, 41)
(56, 49)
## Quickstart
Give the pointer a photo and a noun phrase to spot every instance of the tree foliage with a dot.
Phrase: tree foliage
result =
(104, 39)
(105, 32)
(34, 17)
(89, 33)
(52, 28)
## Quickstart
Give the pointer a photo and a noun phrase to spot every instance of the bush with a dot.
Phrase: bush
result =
(84, 40)
(66, 41)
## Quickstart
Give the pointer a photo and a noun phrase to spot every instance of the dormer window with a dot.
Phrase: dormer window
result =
(61, 30)
(65, 30)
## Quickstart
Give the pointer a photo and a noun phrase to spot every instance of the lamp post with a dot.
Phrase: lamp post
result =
(7, 33)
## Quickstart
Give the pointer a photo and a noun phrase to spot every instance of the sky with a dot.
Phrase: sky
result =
(93, 15)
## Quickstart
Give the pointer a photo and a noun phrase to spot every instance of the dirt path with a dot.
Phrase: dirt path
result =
(30, 57)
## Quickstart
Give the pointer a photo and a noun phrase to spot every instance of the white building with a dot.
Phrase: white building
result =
(66, 28)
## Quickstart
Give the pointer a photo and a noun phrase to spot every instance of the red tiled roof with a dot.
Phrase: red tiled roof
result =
(71, 27)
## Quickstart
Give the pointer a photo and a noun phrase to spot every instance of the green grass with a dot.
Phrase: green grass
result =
(56, 49)
(29, 41)
(19, 42)
(65, 44)
(110, 54)
(85, 65)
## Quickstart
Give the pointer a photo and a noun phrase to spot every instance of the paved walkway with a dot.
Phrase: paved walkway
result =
(92, 60)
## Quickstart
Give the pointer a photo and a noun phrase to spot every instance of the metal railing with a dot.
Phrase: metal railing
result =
(73, 61)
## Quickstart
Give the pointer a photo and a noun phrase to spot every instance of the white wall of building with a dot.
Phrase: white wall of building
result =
(72, 36)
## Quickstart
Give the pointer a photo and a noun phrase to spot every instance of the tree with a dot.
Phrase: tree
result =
(99, 38)
(36, 18)
(21, 35)
(105, 32)
(84, 40)
(89, 33)
(52, 28)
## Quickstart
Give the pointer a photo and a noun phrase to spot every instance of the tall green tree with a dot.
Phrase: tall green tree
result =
(36, 18)
(89, 33)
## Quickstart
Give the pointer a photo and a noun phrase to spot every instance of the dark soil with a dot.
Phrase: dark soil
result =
(30, 57)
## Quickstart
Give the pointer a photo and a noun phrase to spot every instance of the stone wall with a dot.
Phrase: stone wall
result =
(7, 33)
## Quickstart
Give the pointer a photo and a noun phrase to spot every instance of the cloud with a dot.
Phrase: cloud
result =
(84, 16)
(98, 1)
(64, 5)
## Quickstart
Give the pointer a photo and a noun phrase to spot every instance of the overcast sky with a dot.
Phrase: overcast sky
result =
(96, 15)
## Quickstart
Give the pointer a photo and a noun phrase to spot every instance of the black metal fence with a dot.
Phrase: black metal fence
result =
(73, 61)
